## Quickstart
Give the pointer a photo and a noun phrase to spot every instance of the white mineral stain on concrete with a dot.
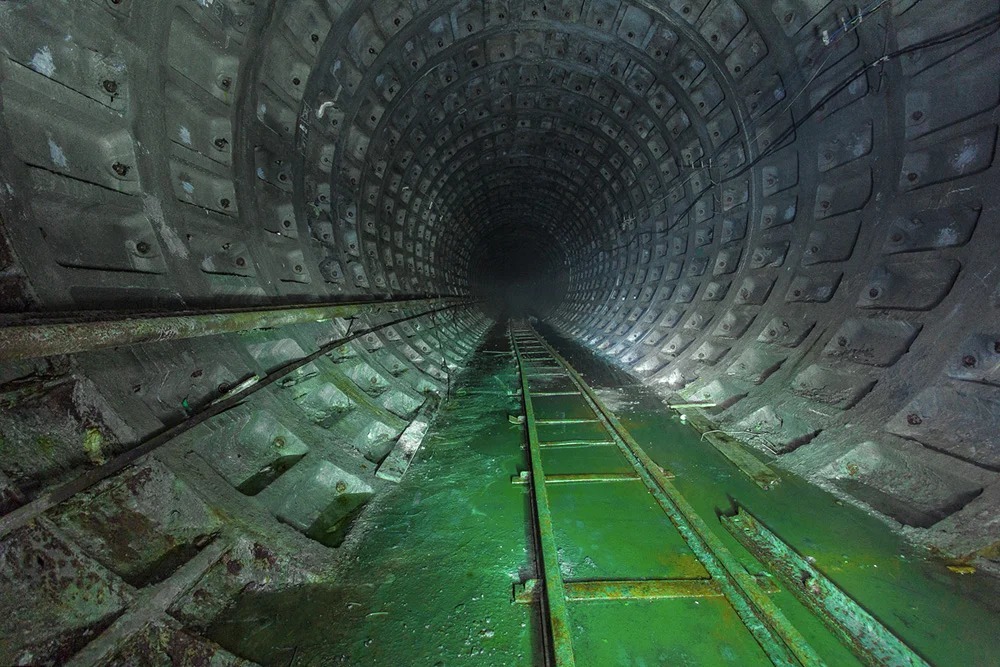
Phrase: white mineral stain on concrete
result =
(185, 135)
(170, 238)
(965, 156)
(42, 62)
(57, 155)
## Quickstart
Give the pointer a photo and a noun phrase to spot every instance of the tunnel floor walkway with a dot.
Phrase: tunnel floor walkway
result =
(434, 570)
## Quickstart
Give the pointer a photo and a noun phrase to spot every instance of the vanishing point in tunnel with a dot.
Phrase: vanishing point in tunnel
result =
(499, 332)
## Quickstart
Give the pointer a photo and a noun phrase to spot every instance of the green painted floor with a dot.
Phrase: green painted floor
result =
(427, 573)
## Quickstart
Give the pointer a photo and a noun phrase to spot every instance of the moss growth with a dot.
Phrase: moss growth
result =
(93, 443)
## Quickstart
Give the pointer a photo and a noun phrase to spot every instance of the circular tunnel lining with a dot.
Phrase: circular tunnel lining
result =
(784, 210)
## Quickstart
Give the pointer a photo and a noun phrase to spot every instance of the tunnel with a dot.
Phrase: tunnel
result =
(281, 280)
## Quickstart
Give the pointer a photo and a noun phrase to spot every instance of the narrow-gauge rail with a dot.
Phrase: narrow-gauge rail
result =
(578, 450)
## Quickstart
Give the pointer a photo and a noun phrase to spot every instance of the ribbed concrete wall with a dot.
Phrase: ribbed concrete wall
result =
(787, 208)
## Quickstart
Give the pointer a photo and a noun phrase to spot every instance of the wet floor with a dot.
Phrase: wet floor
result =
(427, 573)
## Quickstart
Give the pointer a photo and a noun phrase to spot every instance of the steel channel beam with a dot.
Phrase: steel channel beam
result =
(643, 589)
(872, 642)
(35, 339)
(760, 473)
(582, 478)
(577, 443)
(555, 591)
(779, 639)
(568, 421)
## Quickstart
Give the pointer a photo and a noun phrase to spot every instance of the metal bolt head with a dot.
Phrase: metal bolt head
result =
(120, 168)
(913, 419)
(969, 361)
(142, 247)
(110, 86)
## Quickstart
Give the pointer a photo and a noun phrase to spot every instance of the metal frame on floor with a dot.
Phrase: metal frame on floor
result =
(869, 640)
(777, 637)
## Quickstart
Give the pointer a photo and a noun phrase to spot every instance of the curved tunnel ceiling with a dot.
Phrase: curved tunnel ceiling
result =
(785, 208)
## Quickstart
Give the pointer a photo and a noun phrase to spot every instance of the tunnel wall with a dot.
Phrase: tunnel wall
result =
(142, 172)
(801, 231)
(837, 301)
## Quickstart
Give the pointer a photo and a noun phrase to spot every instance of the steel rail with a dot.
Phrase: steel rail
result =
(49, 499)
(779, 639)
(38, 335)
(554, 590)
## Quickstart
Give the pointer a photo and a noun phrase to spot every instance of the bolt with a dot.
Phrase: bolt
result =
(969, 361)
(842, 341)
(221, 143)
(240, 261)
(996, 346)
(341, 486)
(917, 115)
(913, 419)
(142, 247)
(225, 83)
(896, 237)
(873, 293)
(912, 176)
(110, 86)
(297, 268)
(279, 442)
(224, 203)
(119, 168)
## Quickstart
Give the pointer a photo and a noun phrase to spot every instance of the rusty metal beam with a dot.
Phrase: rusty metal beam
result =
(559, 629)
(579, 478)
(861, 632)
(642, 589)
(43, 336)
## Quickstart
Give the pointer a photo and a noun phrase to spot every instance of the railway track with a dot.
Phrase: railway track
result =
(581, 458)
